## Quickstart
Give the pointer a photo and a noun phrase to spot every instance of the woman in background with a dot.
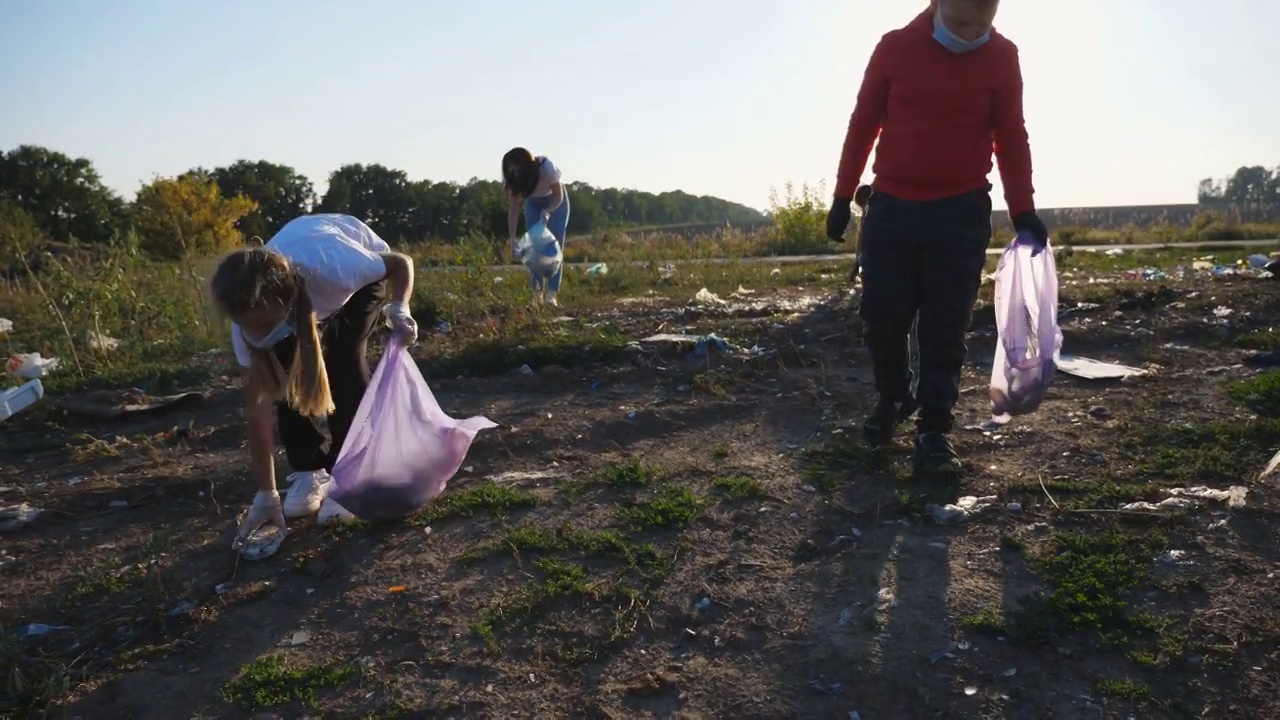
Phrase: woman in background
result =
(534, 184)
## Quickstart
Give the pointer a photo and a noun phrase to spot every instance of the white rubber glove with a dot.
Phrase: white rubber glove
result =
(265, 510)
(401, 322)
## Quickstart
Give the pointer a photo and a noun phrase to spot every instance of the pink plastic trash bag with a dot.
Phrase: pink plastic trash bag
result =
(1026, 304)
(402, 448)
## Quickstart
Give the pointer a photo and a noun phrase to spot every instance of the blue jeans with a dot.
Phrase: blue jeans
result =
(558, 223)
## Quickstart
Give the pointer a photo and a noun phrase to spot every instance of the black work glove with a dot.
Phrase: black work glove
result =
(1031, 224)
(862, 196)
(838, 218)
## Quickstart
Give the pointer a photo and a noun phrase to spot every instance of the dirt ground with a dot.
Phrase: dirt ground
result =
(686, 535)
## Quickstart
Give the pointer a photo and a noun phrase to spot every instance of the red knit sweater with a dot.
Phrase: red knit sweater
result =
(939, 115)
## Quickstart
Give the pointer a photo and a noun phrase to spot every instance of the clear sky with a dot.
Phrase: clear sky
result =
(1127, 101)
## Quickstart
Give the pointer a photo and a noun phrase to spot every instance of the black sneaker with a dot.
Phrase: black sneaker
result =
(935, 456)
(884, 420)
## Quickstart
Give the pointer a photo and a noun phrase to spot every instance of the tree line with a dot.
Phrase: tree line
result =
(1252, 194)
(207, 209)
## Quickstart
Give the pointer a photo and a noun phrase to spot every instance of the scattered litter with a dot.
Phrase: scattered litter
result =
(15, 517)
(1176, 557)
(1010, 672)
(670, 338)
(963, 509)
(702, 605)
(524, 370)
(299, 637)
(706, 297)
(741, 293)
(825, 688)
(1233, 496)
(222, 588)
(33, 629)
(30, 366)
(703, 344)
(111, 404)
(1090, 369)
(707, 343)
(15, 400)
(1223, 312)
(6, 325)
(1172, 503)
(775, 272)
(987, 426)
(261, 543)
(516, 476)
(396, 589)
(99, 342)
(1271, 466)
(945, 652)
(969, 689)
(1114, 252)
(1258, 261)
(184, 607)
(598, 269)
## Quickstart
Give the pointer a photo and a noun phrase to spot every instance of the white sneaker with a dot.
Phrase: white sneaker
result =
(551, 299)
(331, 513)
(306, 493)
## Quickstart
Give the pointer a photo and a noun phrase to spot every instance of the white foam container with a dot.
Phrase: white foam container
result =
(15, 400)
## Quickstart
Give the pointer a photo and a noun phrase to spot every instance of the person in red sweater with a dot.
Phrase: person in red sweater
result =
(940, 94)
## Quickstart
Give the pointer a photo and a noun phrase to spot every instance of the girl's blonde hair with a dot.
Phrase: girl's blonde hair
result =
(255, 277)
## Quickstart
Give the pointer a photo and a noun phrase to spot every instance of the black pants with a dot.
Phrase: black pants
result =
(925, 258)
(344, 337)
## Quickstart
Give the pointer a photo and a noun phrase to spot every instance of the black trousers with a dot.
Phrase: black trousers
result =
(922, 258)
(344, 338)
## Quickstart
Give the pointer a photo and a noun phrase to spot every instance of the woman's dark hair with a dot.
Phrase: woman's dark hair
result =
(521, 172)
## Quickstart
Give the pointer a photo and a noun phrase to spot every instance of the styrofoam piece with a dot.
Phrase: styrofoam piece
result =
(15, 400)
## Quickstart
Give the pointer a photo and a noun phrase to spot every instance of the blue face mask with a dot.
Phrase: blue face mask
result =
(954, 44)
(268, 341)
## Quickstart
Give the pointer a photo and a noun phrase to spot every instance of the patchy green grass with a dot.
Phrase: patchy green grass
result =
(486, 496)
(1126, 689)
(612, 544)
(1082, 493)
(669, 506)
(1258, 339)
(714, 382)
(628, 474)
(1260, 393)
(1208, 453)
(1088, 575)
(581, 608)
(738, 488)
(272, 681)
(94, 581)
(825, 466)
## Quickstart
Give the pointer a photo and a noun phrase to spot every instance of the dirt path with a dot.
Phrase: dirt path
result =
(685, 536)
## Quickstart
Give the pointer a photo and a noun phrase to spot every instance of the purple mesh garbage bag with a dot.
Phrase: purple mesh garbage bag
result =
(1026, 305)
(402, 448)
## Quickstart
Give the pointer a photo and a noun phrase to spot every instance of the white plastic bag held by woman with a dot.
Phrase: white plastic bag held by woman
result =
(1026, 305)
(403, 448)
